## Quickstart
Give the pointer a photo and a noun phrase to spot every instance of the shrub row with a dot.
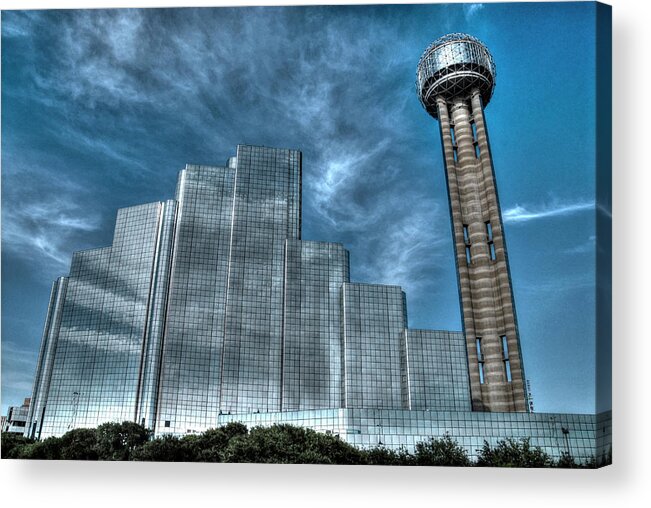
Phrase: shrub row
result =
(277, 444)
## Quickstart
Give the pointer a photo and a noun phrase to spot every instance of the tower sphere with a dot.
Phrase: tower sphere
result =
(452, 66)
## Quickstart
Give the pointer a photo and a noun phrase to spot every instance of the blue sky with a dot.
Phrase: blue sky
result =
(102, 108)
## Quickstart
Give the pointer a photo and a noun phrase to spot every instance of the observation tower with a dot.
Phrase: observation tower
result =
(455, 81)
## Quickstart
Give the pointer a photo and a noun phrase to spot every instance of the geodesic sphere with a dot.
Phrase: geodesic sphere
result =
(452, 66)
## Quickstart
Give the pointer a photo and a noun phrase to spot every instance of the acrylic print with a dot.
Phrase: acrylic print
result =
(280, 235)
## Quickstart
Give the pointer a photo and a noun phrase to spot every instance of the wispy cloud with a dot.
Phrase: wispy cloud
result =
(45, 215)
(470, 10)
(340, 178)
(574, 282)
(21, 24)
(409, 251)
(18, 365)
(15, 354)
(43, 231)
(524, 213)
(586, 247)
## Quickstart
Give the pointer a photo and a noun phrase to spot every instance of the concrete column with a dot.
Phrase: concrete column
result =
(513, 393)
(484, 282)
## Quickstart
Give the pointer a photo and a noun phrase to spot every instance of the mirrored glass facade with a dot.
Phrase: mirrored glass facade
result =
(438, 374)
(313, 374)
(210, 308)
(91, 370)
(189, 377)
(266, 212)
(374, 322)
(584, 436)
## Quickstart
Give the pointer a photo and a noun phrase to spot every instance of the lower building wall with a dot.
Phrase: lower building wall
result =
(584, 436)
(438, 370)
(373, 328)
(312, 370)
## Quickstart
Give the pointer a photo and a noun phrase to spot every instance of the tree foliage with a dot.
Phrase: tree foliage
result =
(48, 449)
(278, 444)
(288, 444)
(441, 452)
(567, 461)
(79, 444)
(116, 441)
(210, 446)
(382, 456)
(164, 449)
(513, 453)
(13, 444)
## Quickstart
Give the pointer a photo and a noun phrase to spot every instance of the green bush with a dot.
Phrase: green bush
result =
(116, 441)
(287, 444)
(12, 444)
(48, 449)
(381, 456)
(164, 449)
(513, 453)
(441, 452)
(210, 445)
(567, 461)
(79, 444)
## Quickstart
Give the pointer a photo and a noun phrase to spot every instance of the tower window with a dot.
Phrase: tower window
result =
(491, 245)
(505, 347)
(466, 235)
(475, 141)
(468, 255)
(453, 137)
(480, 360)
(505, 356)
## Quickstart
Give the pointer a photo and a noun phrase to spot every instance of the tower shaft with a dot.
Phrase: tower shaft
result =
(486, 296)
